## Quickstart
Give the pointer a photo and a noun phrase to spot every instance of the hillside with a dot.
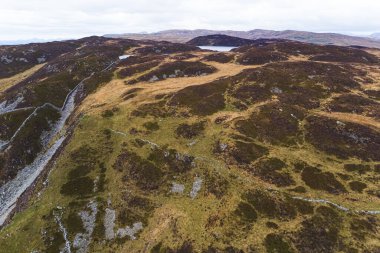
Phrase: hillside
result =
(272, 147)
(183, 36)
(219, 40)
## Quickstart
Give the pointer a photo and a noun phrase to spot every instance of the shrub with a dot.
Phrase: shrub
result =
(246, 213)
(190, 131)
(326, 181)
(151, 126)
(357, 186)
(275, 243)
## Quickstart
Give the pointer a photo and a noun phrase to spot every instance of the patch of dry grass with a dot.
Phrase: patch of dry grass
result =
(6, 83)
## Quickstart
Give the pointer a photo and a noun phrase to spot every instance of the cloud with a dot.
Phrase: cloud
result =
(21, 19)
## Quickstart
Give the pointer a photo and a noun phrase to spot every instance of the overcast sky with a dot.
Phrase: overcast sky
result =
(53, 19)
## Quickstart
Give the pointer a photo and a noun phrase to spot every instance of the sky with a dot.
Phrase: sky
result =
(63, 19)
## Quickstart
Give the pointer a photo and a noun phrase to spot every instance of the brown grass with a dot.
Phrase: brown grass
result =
(6, 83)
(349, 117)
(111, 93)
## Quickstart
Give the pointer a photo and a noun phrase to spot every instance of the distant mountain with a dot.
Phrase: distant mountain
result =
(23, 42)
(375, 36)
(310, 37)
(270, 147)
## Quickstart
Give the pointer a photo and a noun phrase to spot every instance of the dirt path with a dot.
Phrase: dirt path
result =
(349, 117)
(340, 207)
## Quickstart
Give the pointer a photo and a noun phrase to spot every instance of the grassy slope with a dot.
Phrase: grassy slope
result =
(6, 83)
(176, 218)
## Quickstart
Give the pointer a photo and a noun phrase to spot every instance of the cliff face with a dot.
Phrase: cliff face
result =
(272, 147)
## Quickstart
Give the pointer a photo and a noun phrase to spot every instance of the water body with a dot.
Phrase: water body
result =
(123, 57)
(217, 48)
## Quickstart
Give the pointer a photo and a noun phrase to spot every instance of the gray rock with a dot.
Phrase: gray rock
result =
(128, 231)
(276, 90)
(177, 188)
(197, 184)
(154, 79)
(109, 223)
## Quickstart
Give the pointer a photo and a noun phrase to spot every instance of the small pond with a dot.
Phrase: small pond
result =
(217, 48)
(123, 57)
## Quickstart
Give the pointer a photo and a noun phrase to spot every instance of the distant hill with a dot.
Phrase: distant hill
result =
(219, 40)
(375, 36)
(270, 147)
(230, 41)
(310, 37)
(27, 41)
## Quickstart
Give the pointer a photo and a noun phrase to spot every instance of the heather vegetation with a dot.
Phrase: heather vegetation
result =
(272, 147)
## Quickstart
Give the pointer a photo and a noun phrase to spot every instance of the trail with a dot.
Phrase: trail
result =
(6, 143)
(65, 110)
(340, 207)
(118, 132)
(19, 109)
(4, 108)
(12, 190)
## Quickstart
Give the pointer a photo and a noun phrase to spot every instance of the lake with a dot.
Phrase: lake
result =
(123, 57)
(217, 48)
